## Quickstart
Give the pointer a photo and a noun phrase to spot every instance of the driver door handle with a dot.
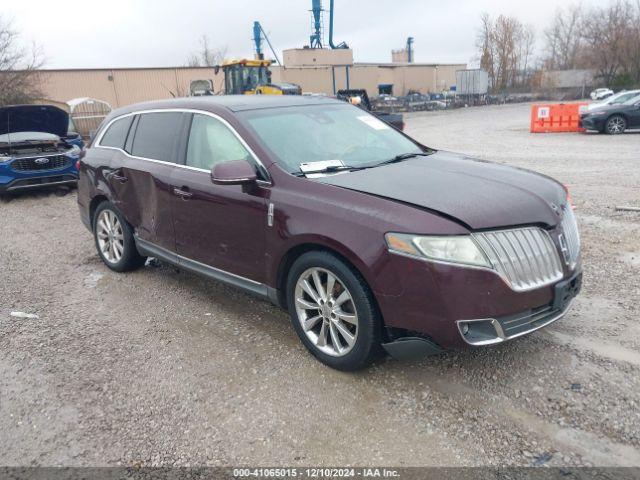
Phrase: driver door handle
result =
(182, 193)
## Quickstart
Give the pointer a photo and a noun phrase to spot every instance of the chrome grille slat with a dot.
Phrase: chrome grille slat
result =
(519, 236)
(532, 315)
(537, 270)
(505, 260)
(542, 263)
(525, 257)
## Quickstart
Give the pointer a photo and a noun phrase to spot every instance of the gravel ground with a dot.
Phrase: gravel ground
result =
(160, 367)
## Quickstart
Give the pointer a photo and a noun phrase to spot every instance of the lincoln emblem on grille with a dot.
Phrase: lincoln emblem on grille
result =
(41, 161)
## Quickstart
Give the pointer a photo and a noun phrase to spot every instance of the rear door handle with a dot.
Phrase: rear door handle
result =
(182, 193)
(118, 176)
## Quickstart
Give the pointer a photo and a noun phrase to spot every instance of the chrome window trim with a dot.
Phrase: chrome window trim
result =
(181, 110)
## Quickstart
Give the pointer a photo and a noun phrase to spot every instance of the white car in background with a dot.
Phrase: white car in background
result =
(601, 93)
(615, 99)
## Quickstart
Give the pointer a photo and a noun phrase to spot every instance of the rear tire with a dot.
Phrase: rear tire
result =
(616, 124)
(337, 320)
(114, 239)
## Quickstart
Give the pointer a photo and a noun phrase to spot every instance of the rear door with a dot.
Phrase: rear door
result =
(115, 138)
(143, 180)
(220, 226)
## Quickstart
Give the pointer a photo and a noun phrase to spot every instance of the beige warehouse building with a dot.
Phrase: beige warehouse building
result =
(122, 86)
(320, 71)
(326, 71)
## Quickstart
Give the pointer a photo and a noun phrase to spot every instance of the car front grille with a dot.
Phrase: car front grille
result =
(525, 257)
(38, 164)
(571, 235)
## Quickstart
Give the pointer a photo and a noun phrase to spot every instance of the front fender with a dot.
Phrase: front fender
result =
(282, 250)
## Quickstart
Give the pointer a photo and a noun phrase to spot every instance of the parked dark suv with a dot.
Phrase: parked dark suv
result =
(372, 241)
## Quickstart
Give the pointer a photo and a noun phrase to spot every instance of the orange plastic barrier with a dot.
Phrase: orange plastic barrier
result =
(558, 117)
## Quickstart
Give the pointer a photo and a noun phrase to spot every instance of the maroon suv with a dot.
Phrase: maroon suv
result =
(371, 240)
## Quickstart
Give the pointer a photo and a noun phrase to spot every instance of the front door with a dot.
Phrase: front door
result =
(219, 226)
(634, 116)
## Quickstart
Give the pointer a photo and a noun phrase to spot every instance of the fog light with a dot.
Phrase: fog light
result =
(465, 328)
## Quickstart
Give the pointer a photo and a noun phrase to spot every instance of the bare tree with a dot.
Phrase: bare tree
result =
(563, 39)
(506, 49)
(608, 35)
(526, 47)
(632, 45)
(207, 56)
(19, 68)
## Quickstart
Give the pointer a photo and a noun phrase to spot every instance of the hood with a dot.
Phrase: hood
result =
(479, 194)
(34, 118)
(20, 137)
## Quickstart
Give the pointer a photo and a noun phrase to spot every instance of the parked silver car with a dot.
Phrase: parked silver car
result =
(616, 99)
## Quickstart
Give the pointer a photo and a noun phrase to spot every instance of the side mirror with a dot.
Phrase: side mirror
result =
(234, 172)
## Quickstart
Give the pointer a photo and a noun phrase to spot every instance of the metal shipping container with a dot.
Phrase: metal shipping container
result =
(472, 82)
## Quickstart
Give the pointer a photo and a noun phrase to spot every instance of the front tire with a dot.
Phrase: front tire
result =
(615, 125)
(114, 239)
(333, 312)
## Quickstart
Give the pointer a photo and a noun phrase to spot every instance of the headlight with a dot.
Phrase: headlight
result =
(451, 249)
(598, 113)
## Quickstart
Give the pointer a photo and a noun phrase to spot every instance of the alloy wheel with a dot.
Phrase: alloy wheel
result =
(110, 236)
(326, 312)
(616, 125)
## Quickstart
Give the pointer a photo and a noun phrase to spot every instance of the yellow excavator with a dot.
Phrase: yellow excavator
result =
(253, 77)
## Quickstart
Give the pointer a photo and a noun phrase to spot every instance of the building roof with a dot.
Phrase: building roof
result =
(406, 64)
(109, 69)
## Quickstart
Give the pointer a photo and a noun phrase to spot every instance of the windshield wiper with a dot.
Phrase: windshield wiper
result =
(328, 169)
(401, 157)
(352, 168)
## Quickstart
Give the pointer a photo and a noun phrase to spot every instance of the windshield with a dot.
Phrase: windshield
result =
(321, 133)
(242, 78)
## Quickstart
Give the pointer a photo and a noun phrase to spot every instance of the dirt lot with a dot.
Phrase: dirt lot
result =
(160, 367)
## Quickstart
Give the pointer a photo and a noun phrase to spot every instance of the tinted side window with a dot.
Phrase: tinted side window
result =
(156, 135)
(211, 142)
(116, 134)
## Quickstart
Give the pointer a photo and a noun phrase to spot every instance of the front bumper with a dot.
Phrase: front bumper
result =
(593, 123)
(13, 180)
(418, 299)
(19, 184)
(489, 331)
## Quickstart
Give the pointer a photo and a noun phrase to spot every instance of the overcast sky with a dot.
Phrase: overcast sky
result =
(150, 33)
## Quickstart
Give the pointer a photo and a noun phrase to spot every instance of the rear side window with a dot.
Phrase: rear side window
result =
(116, 134)
(156, 136)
